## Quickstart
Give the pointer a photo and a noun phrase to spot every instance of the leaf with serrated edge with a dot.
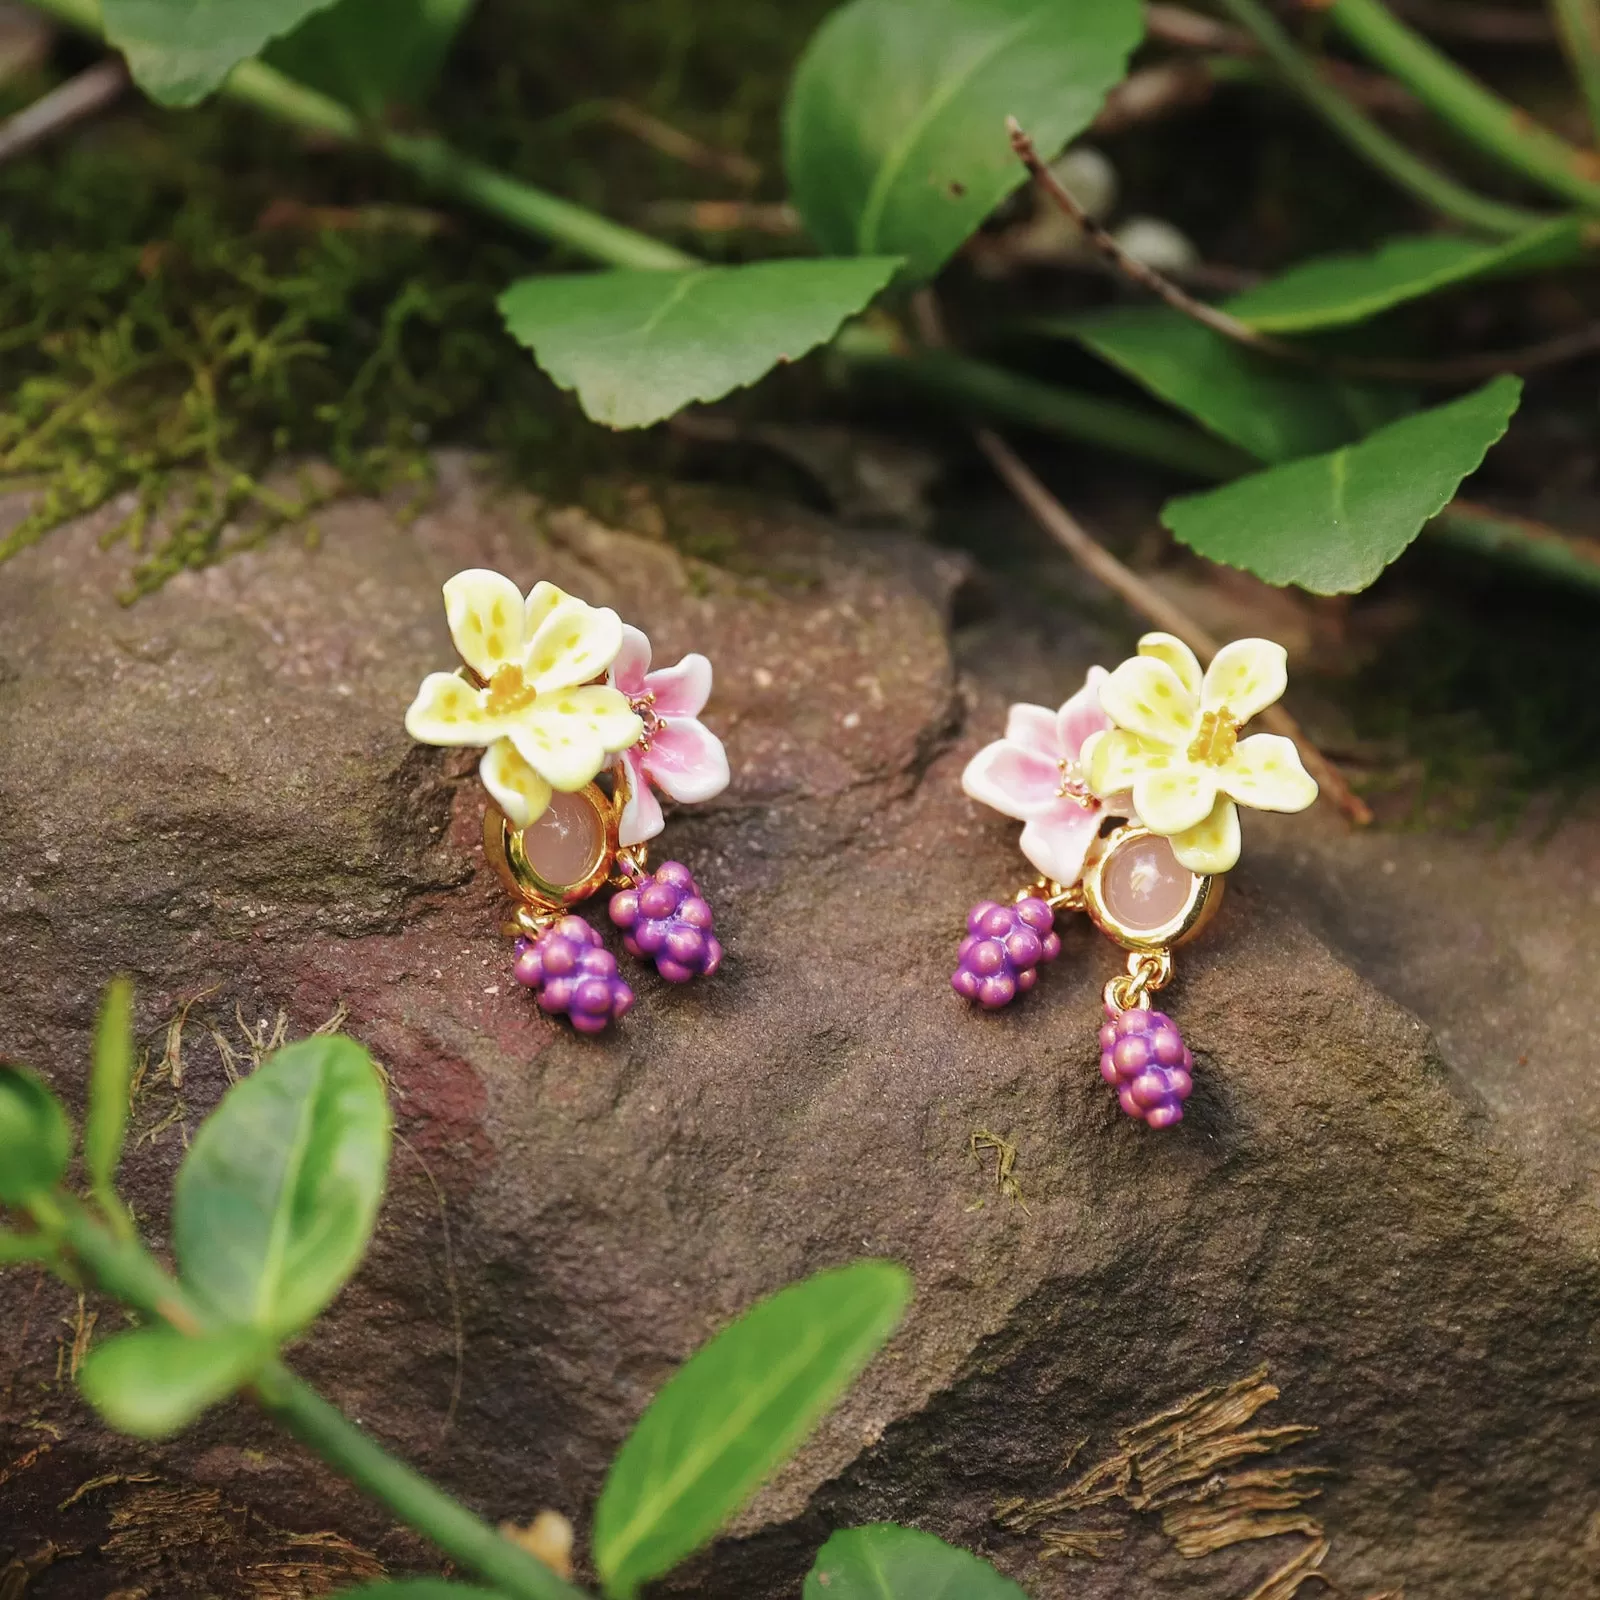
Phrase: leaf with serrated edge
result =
(638, 346)
(734, 1412)
(894, 132)
(884, 1561)
(1333, 291)
(275, 1201)
(1332, 523)
(180, 50)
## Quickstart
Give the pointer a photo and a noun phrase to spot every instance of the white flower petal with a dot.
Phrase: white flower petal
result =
(641, 812)
(574, 642)
(543, 598)
(632, 661)
(1081, 717)
(562, 750)
(681, 691)
(686, 760)
(518, 790)
(448, 710)
(1016, 781)
(1265, 772)
(1177, 655)
(1175, 800)
(1112, 760)
(1148, 698)
(1213, 846)
(599, 709)
(484, 611)
(1246, 677)
(1034, 728)
(1057, 842)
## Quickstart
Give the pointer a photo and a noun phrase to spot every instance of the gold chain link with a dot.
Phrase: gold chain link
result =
(1148, 970)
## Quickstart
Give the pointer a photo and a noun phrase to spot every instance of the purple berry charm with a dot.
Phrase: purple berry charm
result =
(572, 973)
(664, 918)
(999, 958)
(1143, 1057)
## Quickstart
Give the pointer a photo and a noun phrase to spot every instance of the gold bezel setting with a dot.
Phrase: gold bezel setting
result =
(507, 852)
(1205, 895)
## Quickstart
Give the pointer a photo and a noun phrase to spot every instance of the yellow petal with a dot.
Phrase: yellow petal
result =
(1264, 771)
(1111, 761)
(543, 598)
(485, 615)
(518, 790)
(1176, 800)
(568, 736)
(1246, 677)
(1148, 698)
(448, 710)
(599, 710)
(1213, 846)
(574, 642)
(1177, 655)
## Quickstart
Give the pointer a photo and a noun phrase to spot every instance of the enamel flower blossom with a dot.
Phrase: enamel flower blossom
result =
(531, 699)
(1176, 745)
(676, 752)
(1035, 774)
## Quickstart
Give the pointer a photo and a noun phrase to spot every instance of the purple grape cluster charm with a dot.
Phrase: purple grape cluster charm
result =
(572, 974)
(1143, 1057)
(664, 918)
(1000, 956)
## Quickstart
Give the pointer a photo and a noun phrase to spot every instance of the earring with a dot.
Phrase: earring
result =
(577, 733)
(1129, 798)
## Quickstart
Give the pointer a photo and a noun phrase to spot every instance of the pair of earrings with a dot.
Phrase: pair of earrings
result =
(578, 731)
(1128, 795)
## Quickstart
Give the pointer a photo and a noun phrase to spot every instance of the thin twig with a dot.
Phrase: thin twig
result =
(681, 146)
(1451, 19)
(1189, 30)
(1139, 596)
(92, 90)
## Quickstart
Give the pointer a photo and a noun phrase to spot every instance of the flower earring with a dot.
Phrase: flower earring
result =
(1129, 798)
(576, 729)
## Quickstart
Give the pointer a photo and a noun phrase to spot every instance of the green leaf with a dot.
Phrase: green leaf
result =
(638, 346)
(1331, 291)
(180, 50)
(894, 133)
(734, 1412)
(110, 1074)
(276, 1198)
(886, 1562)
(419, 1589)
(20, 1247)
(1332, 523)
(372, 54)
(1270, 407)
(35, 1136)
(153, 1381)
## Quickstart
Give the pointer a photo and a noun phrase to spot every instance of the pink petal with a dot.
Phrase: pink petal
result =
(681, 691)
(632, 662)
(1034, 728)
(686, 760)
(641, 814)
(1057, 842)
(1081, 715)
(1016, 781)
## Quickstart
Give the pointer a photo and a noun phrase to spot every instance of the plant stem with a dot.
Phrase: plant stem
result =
(125, 1270)
(298, 1408)
(1498, 128)
(1567, 558)
(1389, 156)
(1578, 23)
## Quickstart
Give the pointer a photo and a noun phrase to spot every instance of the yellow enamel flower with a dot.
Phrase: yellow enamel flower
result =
(1176, 745)
(531, 698)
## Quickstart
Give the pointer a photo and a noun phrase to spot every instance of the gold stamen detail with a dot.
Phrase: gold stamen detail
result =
(1213, 745)
(507, 692)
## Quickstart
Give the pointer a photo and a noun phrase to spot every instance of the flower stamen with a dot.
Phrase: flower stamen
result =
(1214, 742)
(507, 692)
(1072, 786)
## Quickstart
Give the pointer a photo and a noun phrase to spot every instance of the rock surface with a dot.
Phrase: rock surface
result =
(213, 791)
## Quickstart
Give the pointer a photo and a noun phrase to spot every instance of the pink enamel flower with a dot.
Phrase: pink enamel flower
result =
(1033, 774)
(676, 753)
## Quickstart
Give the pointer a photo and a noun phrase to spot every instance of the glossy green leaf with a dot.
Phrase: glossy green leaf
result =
(35, 1137)
(372, 54)
(894, 132)
(1331, 291)
(153, 1381)
(276, 1199)
(110, 1073)
(1270, 407)
(638, 346)
(734, 1412)
(1332, 523)
(884, 1561)
(180, 50)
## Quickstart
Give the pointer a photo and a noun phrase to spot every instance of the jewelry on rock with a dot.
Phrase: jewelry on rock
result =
(577, 733)
(1129, 798)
